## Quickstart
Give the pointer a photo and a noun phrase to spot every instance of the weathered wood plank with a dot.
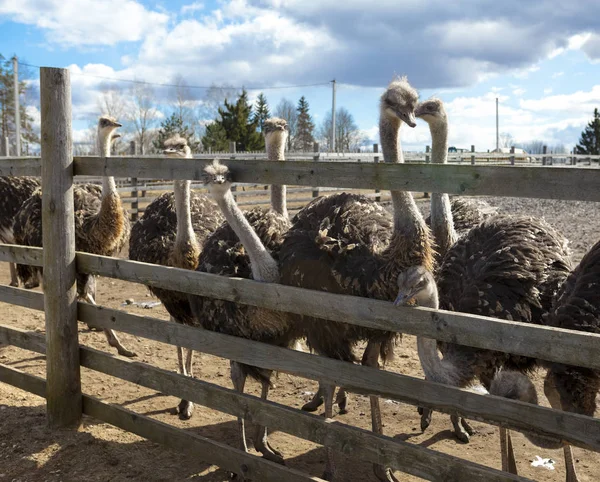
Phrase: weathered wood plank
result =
(20, 166)
(554, 344)
(226, 457)
(24, 381)
(22, 339)
(352, 441)
(576, 429)
(533, 182)
(22, 297)
(21, 254)
(58, 226)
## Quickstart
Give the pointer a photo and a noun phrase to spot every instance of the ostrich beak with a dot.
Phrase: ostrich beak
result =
(419, 111)
(170, 150)
(116, 124)
(412, 122)
(402, 298)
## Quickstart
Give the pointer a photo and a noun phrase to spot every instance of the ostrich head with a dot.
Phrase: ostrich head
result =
(399, 101)
(417, 283)
(106, 127)
(176, 146)
(218, 178)
(573, 389)
(275, 126)
(432, 111)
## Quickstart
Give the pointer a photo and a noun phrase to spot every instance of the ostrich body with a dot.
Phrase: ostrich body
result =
(101, 225)
(347, 243)
(247, 246)
(417, 284)
(14, 191)
(172, 232)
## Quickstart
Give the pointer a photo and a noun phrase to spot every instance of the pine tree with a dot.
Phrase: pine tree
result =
(174, 125)
(236, 124)
(261, 110)
(7, 109)
(589, 142)
(303, 140)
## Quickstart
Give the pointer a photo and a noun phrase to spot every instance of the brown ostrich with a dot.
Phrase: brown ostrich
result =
(14, 191)
(101, 225)
(349, 244)
(172, 232)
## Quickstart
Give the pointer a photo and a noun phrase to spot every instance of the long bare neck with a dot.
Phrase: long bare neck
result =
(264, 267)
(109, 187)
(186, 250)
(442, 223)
(276, 152)
(407, 217)
(436, 369)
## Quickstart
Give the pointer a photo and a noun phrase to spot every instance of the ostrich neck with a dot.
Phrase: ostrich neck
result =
(109, 187)
(436, 369)
(185, 230)
(407, 217)
(442, 223)
(275, 152)
(264, 267)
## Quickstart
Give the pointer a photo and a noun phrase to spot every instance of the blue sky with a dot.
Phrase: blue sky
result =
(539, 58)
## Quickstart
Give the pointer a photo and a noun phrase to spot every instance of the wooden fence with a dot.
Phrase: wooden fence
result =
(64, 355)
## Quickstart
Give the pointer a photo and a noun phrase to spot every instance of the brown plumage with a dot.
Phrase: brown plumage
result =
(467, 213)
(153, 241)
(14, 191)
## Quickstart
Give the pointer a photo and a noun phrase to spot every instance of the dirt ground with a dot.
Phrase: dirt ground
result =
(100, 452)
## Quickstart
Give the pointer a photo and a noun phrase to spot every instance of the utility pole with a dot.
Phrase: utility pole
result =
(497, 131)
(333, 117)
(17, 109)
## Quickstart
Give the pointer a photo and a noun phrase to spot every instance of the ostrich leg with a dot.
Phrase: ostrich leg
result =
(238, 378)
(14, 280)
(371, 359)
(185, 409)
(328, 392)
(261, 442)
(111, 336)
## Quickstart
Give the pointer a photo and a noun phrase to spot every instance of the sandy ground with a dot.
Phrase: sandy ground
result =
(100, 452)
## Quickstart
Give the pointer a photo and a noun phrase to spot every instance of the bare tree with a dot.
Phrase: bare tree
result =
(532, 147)
(348, 137)
(214, 98)
(183, 100)
(287, 110)
(506, 140)
(142, 115)
(111, 101)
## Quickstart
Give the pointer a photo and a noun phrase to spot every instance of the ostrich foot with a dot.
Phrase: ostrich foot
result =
(270, 453)
(121, 350)
(315, 403)
(384, 474)
(31, 284)
(470, 430)
(342, 401)
(327, 475)
(14, 283)
(459, 432)
(425, 418)
(185, 409)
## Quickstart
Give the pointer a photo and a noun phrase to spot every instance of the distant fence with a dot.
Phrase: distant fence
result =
(64, 356)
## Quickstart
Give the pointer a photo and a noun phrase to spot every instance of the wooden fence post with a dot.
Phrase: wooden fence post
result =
(427, 160)
(376, 161)
(134, 190)
(232, 150)
(6, 146)
(63, 386)
(472, 155)
(315, 191)
(512, 155)
(544, 151)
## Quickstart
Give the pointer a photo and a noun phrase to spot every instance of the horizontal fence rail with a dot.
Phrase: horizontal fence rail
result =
(404, 456)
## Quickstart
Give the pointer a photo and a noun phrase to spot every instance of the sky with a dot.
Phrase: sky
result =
(541, 59)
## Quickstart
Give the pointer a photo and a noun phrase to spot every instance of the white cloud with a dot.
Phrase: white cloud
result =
(580, 102)
(556, 75)
(192, 7)
(547, 90)
(86, 22)
(524, 73)
(519, 91)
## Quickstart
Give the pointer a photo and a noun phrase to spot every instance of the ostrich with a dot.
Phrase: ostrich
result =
(101, 225)
(247, 246)
(172, 232)
(14, 191)
(509, 268)
(577, 307)
(349, 244)
(417, 283)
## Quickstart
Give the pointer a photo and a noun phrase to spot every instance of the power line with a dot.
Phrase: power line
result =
(187, 86)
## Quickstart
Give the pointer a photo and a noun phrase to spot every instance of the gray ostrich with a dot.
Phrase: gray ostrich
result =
(571, 388)
(101, 225)
(247, 246)
(417, 284)
(172, 232)
(349, 244)
(14, 191)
